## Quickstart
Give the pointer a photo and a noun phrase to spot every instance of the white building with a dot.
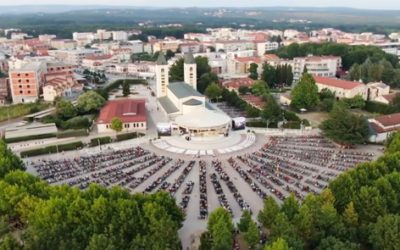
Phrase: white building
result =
(326, 66)
(120, 36)
(383, 126)
(266, 46)
(341, 88)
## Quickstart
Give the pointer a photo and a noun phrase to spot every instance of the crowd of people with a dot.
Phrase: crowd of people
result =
(284, 166)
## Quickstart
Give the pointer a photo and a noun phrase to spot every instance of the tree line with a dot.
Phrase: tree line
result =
(35, 215)
(350, 54)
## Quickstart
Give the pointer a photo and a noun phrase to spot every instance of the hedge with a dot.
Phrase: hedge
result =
(127, 136)
(376, 107)
(102, 140)
(72, 133)
(30, 137)
(52, 149)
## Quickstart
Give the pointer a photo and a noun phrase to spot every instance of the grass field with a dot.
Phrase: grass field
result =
(18, 110)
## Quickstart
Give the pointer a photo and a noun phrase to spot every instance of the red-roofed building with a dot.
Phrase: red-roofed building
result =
(253, 100)
(386, 99)
(132, 113)
(234, 84)
(383, 126)
(341, 88)
(97, 62)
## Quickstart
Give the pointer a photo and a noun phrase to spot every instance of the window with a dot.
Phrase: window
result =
(26, 74)
(18, 74)
(29, 91)
(20, 86)
(19, 80)
(20, 92)
(27, 80)
(28, 86)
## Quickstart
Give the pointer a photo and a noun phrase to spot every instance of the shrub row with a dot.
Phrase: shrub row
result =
(381, 108)
(52, 149)
(127, 136)
(31, 137)
(72, 133)
(100, 140)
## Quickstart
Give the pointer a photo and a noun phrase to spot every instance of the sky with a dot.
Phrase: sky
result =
(364, 4)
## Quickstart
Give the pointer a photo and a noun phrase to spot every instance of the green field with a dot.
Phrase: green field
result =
(18, 110)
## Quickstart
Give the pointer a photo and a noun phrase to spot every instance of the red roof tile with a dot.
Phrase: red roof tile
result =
(389, 120)
(128, 110)
(338, 83)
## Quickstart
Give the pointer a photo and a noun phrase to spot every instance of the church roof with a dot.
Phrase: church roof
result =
(161, 59)
(167, 105)
(189, 59)
(182, 90)
(193, 102)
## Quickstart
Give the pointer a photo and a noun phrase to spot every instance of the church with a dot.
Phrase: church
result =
(184, 105)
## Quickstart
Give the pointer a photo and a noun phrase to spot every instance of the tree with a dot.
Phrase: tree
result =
(244, 90)
(252, 235)
(8, 160)
(220, 227)
(126, 91)
(90, 102)
(205, 80)
(270, 210)
(345, 127)
(202, 66)
(290, 207)
(116, 124)
(332, 243)
(65, 109)
(268, 75)
(213, 91)
(305, 93)
(244, 222)
(278, 244)
(9, 243)
(385, 233)
(272, 111)
(259, 88)
(176, 72)
(253, 73)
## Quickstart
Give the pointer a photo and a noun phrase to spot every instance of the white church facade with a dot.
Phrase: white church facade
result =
(184, 105)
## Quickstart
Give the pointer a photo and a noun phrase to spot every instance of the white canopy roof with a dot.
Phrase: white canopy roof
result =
(203, 119)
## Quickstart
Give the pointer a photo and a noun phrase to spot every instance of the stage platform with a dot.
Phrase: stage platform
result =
(206, 145)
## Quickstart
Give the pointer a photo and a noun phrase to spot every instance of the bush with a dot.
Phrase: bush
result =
(52, 149)
(100, 140)
(127, 136)
(79, 122)
(31, 137)
(72, 133)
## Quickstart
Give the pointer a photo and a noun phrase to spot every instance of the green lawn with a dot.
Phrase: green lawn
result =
(18, 110)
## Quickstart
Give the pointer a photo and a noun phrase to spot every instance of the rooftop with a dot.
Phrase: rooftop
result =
(338, 83)
(128, 110)
(389, 120)
(161, 59)
(182, 90)
(193, 102)
(168, 105)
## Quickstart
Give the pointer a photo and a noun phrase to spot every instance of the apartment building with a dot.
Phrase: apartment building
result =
(326, 66)
(26, 82)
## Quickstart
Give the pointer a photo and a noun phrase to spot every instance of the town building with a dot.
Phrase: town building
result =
(341, 88)
(236, 83)
(4, 90)
(26, 82)
(132, 113)
(326, 66)
(383, 126)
